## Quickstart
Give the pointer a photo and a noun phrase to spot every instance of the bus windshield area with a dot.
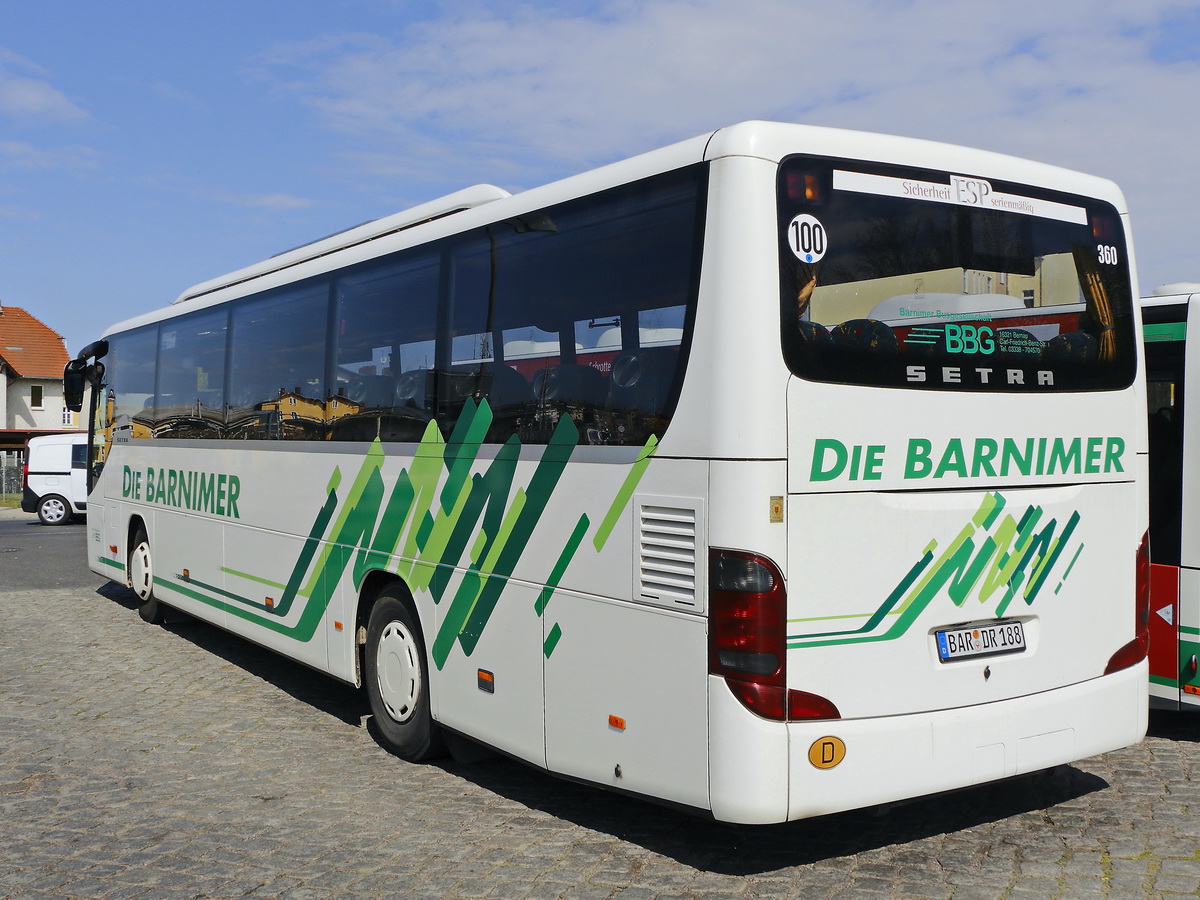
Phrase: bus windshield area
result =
(913, 278)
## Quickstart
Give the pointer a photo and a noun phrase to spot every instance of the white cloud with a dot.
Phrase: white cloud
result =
(173, 183)
(18, 156)
(508, 93)
(27, 96)
(277, 202)
(573, 88)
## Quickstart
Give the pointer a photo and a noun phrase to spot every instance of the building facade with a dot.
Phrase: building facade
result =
(32, 357)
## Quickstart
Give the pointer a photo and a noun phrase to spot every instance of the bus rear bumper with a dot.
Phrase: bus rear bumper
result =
(842, 764)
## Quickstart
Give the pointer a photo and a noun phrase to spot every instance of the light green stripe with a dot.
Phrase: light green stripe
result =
(439, 536)
(249, 577)
(372, 462)
(1067, 573)
(622, 499)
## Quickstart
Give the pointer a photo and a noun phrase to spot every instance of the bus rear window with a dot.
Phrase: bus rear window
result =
(912, 278)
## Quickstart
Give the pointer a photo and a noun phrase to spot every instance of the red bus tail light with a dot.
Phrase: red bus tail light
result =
(747, 638)
(1135, 651)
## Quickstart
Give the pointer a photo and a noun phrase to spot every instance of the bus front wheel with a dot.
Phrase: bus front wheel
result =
(141, 579)
(397, 679)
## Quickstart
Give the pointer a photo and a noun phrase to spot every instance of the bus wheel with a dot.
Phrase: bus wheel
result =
(53, 510)
(397, 679)
(141, 579)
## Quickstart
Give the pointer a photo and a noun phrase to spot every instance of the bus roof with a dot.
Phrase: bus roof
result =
(771, 141)
(467, 198)
(1177, 292)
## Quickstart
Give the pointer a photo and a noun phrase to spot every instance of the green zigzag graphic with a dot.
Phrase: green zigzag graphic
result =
(423, 534)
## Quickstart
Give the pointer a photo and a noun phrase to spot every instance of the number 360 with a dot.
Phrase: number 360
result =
(1106, 254)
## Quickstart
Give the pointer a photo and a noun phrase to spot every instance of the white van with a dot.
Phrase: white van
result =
(55, 485)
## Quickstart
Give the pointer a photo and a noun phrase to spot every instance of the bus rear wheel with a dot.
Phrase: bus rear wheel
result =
(397, 679)
(141, 579)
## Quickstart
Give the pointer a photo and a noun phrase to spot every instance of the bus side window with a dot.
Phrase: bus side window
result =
(191, 376)
(277, 365)
(385, 348)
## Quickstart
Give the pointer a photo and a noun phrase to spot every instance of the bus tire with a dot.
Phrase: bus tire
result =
(53, 510)
(141, 579)
(397, 679)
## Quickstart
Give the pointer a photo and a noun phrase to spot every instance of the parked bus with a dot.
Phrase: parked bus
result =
(1175, 567)
(782, 471)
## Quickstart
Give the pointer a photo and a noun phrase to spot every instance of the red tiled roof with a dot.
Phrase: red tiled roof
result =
(30, 347)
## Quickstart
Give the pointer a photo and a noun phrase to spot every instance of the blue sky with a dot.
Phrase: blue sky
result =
(146, 145)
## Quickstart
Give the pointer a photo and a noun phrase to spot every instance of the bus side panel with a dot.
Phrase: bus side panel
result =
(131, 486)
(258, 571)
(212, 555)
(194, 553)
(1189, 521)
(625, 641)
(494, 694)
(729, 407)
(626, 698)
(748, 759)
(339, 634)
(1189, 638)
(1165, 650)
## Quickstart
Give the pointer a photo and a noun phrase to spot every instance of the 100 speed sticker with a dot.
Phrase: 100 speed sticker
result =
(806, 236)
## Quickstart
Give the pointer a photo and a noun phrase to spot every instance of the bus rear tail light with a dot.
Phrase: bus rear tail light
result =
(747, 639)
(1135, 651)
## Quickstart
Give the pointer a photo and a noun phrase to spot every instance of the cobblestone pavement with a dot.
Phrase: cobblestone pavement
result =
(138, 761)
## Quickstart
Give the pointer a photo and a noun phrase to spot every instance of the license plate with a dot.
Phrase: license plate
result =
(981, 639)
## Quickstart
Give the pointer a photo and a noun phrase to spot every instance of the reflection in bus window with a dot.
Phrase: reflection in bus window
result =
(130, 373)
(191, 376)
(277, 365)
(886, 279)
(386, 327)
(579, 311)
(545, 303)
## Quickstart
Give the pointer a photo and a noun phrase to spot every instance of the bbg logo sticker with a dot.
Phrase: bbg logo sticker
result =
(958, 338)
(969, 339)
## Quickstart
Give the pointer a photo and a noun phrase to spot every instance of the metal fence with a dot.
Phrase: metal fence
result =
(11, 465)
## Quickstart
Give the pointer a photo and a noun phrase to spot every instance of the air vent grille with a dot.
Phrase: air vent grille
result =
(667, 555)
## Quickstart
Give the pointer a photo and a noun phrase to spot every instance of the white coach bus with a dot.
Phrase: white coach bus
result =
(782, 471)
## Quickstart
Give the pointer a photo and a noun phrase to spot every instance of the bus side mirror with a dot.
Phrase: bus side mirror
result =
(74, 381)
(77, 374)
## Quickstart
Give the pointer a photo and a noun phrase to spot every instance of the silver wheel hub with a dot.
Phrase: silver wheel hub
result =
(141, 573)
(398, 670)
(53, 510)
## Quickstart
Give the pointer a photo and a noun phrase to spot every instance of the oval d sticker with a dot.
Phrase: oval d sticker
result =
(827, 752)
